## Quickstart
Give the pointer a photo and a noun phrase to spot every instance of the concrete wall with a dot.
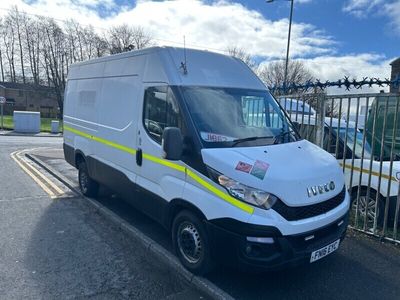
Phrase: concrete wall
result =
(40, 100)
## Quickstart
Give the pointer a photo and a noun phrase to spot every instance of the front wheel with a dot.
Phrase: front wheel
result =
(88, 186)
(191, 243)
(366, 206)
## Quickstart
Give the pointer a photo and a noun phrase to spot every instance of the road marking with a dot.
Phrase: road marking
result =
(30, 170)
(42, 185)
(49, 182)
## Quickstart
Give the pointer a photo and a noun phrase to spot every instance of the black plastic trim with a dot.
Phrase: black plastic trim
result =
(246, 229)
(69, 154)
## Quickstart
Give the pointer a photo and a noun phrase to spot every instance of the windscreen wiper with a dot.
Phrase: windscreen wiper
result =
(281, 135)
(251, 138)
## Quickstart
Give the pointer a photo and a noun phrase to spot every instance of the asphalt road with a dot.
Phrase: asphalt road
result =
(60, 249)
(362, 268)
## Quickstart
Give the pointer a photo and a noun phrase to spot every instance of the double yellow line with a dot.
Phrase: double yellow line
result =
(45, 183)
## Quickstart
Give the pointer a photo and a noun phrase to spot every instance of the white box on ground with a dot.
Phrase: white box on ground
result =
(26, 121)
(55, 126)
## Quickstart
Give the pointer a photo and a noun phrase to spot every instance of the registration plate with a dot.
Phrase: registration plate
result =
(320, 253)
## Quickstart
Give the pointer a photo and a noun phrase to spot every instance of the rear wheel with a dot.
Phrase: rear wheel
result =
(191, 243)
(88, 186)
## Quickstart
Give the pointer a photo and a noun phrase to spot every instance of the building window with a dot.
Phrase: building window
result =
(20, 93)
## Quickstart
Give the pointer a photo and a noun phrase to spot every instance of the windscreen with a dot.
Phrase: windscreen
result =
(356, 138)
(229, 117)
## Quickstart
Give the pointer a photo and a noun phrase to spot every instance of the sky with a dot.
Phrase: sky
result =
(334, 38)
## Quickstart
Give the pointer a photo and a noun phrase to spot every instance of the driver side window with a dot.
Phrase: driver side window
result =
(160, 110)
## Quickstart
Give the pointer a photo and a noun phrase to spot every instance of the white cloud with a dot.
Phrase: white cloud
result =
(361, 8)
(215, 25)
(353, 66)
(393, 10)
(364, 8)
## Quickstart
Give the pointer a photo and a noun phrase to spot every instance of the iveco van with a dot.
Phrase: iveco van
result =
(196, 141)
(361, 169)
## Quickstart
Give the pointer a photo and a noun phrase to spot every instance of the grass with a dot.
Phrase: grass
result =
(45, 123)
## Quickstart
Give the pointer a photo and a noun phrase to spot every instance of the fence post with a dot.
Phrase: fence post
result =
(321, 99)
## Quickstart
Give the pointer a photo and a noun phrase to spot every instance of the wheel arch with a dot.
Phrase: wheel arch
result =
(79, 157)
(177, 205)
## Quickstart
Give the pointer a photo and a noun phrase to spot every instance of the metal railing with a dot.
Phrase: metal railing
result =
(363, 132)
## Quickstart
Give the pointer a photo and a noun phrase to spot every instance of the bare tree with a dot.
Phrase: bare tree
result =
(273, 75)
(54, 57)
(1, 50)
(141, 38)
(124, 38)
(16, 20)
(8, 34)
(243, 55)
(32, 40)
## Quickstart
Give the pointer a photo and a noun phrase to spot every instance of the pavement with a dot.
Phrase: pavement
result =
(362, 268)
(40, 134)
(58, 247)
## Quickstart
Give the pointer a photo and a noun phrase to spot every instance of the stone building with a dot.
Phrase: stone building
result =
(395, 74)
(27, 97)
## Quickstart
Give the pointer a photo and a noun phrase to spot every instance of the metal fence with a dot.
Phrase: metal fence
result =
(363, 132)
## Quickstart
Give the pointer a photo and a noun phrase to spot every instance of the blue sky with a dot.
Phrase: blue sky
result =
(371, 31)
(334, 38)
(354, 34)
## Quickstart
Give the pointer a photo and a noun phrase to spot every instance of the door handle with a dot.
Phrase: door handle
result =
(139, 157)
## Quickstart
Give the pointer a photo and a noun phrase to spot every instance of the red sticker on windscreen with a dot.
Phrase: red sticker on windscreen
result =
(244, 167)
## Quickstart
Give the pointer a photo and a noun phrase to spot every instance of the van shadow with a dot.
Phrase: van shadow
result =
(343, 275)
(73, 252)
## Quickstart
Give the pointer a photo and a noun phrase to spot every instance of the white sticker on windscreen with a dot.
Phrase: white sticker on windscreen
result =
(215, 138)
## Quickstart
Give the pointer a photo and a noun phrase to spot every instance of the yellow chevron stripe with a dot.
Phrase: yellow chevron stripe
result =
(365, 171)
(224, 196)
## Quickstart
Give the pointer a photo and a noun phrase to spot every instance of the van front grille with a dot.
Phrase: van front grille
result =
(294, 213)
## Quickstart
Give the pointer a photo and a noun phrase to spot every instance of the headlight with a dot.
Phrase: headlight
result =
(243, 192)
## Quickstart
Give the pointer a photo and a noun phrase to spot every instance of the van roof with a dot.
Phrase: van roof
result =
(165, 64)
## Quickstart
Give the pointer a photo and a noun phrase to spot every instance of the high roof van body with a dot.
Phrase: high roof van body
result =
(196, 141)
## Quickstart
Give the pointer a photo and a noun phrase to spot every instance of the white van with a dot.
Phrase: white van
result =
(191, 144)
(360, 168)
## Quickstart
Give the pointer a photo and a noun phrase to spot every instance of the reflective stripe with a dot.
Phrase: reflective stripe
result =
(100, 140)
(247, 208)
(365, 171)
(164, 162)
(235, 202)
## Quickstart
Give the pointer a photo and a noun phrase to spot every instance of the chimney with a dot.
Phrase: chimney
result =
(395, 75)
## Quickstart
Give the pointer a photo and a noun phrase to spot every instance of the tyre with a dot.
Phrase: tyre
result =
(191, 243)
(88, 186)
(367, 205)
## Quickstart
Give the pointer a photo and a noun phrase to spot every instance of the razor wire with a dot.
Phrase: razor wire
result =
(346, 83)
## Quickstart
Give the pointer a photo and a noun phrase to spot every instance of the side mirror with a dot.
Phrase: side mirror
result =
(172, 143)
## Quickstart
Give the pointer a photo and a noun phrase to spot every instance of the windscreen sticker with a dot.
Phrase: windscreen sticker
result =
(214, 137)
(244, 167)
(259, 169)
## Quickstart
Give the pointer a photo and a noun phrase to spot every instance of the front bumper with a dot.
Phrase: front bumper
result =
(230, 246)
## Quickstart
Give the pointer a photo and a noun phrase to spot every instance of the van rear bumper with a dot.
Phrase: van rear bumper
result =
(230, 245)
